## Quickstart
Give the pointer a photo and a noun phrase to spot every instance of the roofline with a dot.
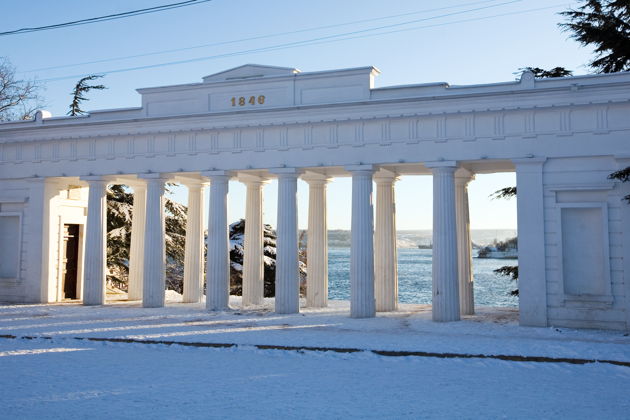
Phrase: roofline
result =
(293, 70)
(274, 77)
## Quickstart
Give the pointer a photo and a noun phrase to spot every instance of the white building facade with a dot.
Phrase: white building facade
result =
(562, 137)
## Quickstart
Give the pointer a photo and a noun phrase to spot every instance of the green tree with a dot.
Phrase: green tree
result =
(119, 220)
(605, 26)
(80, 89)
(622, 175)
(542, 73)
(19, 99)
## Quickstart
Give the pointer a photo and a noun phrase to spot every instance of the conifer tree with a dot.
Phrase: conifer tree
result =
(80, 89)
(604, 25)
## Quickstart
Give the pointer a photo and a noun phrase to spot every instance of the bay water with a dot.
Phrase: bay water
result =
(414, 268)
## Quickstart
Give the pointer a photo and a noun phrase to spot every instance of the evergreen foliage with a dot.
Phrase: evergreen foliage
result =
(622, 175)
(604, 25)
(80, 89)
(119, 219)
(507, 192)
(237, 235)
(542, 73)
(511, 271)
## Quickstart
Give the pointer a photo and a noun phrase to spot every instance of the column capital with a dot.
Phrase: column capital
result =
(439, 164)
(217, 177)
(316, 179)
(190, 181)
(153, 176)
(286, 172)
(385, 176)
(252, 180)
(213, 173)
(137, 184)
(360, 168)
(463, 176)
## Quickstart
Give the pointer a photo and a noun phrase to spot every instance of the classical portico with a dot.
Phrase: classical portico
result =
(254, 123)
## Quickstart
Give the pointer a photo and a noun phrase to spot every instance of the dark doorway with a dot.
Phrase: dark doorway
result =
(70, 261)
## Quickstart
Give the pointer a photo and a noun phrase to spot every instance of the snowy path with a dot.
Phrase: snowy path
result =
(105, 381)
(492, 331)
(63, 377)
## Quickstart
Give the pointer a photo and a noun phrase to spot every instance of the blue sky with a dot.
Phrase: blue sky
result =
(455, 41)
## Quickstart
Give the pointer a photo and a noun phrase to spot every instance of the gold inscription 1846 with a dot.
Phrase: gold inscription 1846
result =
(243, 100)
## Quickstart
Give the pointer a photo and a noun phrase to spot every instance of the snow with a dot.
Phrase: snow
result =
(62, 376)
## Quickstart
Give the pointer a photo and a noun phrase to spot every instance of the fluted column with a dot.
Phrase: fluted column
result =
(218, 268)
(193, 254)
(385, 255)
(153, 278)
(362, 304)
(253, 268)
(95, 249)
(136, 252)
(445, 280)
(317, 242)
(464, 245)
(287, 269)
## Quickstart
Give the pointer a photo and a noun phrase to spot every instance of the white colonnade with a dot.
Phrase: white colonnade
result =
(362, 304)
(464, 244)
(95, 247)
(445, 278)
(218, 264)
(253, 263)
(193, 253)
(136, 253)
(373, 272)
(386, 257)
(287, 268)
(317, 242)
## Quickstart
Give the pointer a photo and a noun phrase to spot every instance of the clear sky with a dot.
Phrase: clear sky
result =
(410, 41)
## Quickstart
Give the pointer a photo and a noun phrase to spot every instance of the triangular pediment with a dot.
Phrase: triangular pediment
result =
(249, 71)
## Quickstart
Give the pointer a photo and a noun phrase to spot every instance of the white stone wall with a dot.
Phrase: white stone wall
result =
(562, 136)
(585, 282)
(43, 208)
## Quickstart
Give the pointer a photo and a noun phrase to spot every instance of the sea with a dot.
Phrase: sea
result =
(414, 267)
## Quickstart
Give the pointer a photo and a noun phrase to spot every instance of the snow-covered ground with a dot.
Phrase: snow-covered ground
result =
(61, 376)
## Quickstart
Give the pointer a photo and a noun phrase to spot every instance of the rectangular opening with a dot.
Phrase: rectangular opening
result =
(70, 261)
(9, 246)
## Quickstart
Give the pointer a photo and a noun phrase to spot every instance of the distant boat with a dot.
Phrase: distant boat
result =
(425, 246)
(505, 250)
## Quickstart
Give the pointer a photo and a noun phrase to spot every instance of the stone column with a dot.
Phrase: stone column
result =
(253, 268)
(193, 254)
(95, 247)
(218, 268)
(153, 278)
(362, 304)
(445, 279)
(385, 255)
(317, 242)
(464, 245)
(287, 269)
(136, 253)
(532, 279)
